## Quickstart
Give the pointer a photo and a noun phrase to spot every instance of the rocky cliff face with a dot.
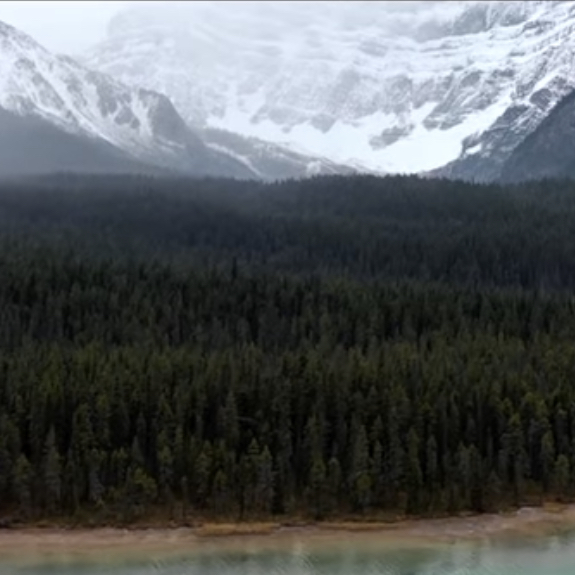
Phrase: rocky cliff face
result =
(378, 86)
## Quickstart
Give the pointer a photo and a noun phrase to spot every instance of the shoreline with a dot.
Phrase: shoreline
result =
(31, 543)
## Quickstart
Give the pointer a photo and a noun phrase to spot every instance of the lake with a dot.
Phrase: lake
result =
(342, 556)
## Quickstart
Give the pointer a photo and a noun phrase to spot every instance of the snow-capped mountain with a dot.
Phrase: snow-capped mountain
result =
(93, 108)
(381, 86)
(57, 114)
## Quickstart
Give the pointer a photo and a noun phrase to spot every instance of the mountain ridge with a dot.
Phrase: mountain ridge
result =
(139, 124)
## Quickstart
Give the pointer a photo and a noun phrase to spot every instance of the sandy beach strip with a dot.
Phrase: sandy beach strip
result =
(25, 543)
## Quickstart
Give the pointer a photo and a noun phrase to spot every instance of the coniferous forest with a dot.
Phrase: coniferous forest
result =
(339, 346)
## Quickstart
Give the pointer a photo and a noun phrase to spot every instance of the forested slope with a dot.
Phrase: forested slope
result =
(325, 347)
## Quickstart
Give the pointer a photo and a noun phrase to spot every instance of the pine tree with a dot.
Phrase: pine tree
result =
(265, 481)
(360, 478)
(317, 487)
(22, 480)
(561, 476)
(52, 474)
(413, 479)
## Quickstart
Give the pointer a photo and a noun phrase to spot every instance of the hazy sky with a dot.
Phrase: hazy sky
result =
(67, 27)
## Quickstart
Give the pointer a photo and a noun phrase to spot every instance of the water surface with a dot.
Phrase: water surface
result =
(530, 556)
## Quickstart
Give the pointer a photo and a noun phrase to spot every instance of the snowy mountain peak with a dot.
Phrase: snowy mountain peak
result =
(60, 90)
(382, 86)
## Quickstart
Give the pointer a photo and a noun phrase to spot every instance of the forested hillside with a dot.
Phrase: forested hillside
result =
(320, 348)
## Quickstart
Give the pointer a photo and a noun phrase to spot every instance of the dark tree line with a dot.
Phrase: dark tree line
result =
(324, 347)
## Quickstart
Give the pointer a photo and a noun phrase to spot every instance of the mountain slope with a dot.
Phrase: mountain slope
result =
(549, 151)
(98, 120)
(374, 85)
(30, 145)
(267, 160)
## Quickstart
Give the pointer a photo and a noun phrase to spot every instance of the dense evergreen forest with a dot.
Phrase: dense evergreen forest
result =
(339, 346)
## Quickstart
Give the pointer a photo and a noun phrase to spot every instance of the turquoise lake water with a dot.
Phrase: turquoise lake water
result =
(544, 556)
